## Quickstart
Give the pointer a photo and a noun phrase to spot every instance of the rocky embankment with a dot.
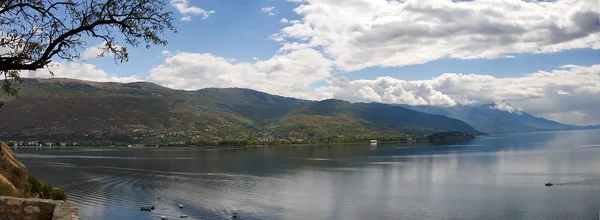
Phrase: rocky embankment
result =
(13, 174)
(19, 192)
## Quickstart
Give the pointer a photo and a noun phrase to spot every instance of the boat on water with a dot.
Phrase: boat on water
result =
(549, 184)
(234, 215)
(183, 216)
(180, 206)
(147, 208)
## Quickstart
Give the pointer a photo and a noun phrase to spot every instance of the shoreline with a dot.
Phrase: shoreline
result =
(216, 147)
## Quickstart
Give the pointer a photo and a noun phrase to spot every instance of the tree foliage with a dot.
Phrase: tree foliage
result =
(33, 32)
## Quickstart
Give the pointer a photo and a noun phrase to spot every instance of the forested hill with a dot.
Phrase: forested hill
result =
(101, 113)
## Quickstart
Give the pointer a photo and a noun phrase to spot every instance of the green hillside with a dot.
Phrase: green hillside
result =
(67, 110)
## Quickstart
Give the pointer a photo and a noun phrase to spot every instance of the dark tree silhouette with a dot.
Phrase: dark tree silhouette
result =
(33, 32)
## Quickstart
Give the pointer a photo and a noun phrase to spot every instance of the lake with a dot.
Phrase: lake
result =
(491, 177)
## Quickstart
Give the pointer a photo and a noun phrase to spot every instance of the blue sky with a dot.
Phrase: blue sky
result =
(237, 30)
(542, 57)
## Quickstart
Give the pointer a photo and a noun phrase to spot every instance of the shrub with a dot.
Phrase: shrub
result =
(59, 194)
(36, 186)
(46, 192)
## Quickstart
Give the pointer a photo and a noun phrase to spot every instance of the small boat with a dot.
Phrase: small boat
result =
(147, 208)
(183, 216)
(163, 218)
(180, 206)
(234, 215)
(549, 184)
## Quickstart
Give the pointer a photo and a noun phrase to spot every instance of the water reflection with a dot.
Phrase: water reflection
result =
(493, 177)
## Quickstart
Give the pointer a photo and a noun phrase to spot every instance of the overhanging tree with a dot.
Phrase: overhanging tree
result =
(33, 32)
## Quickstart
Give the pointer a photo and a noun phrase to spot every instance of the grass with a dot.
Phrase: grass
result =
(18, 171)
(7, 190)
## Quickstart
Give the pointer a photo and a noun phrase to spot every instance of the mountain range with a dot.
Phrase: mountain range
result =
(67, 109)
(498, 117)
(101, 113)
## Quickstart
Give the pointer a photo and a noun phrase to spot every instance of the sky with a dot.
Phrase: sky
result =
(542, 57)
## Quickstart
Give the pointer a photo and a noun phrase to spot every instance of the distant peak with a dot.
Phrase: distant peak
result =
(503, 105)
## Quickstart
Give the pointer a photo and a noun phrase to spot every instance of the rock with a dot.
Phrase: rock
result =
(32, 209)
(14, 201)
(27, 208)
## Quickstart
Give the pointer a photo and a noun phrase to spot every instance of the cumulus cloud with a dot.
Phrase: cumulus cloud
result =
(386, 90)
(290, 74)
(503, 105)
(166, 53)
(184, 8)
(269, 10)
(186, 18)
(542, 93)
(95, 51)
(284, 20)
(369, 33)
(81, 71)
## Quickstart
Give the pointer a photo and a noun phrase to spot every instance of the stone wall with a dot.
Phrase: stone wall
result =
(36, 209)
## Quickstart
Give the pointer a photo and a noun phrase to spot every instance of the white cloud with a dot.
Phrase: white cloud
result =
(81, 71)
(269, 10)
(503, 105)
(561, 92)
(386, 90)
(290, 74)
(94, 51)
(286, 21)
(184, 8)
(166, 53)
(369, 33)
(186, 18)
(541, 93)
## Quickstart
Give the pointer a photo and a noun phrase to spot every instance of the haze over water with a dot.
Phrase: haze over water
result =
(491, 177)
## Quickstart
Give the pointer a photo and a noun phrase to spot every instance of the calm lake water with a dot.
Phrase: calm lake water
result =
(491, 177)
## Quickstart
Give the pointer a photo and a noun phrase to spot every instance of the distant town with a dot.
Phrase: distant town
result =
(139, 142)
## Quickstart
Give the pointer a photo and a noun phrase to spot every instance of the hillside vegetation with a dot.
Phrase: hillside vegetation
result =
(15, 181)
(63, 110)
(13, 174)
